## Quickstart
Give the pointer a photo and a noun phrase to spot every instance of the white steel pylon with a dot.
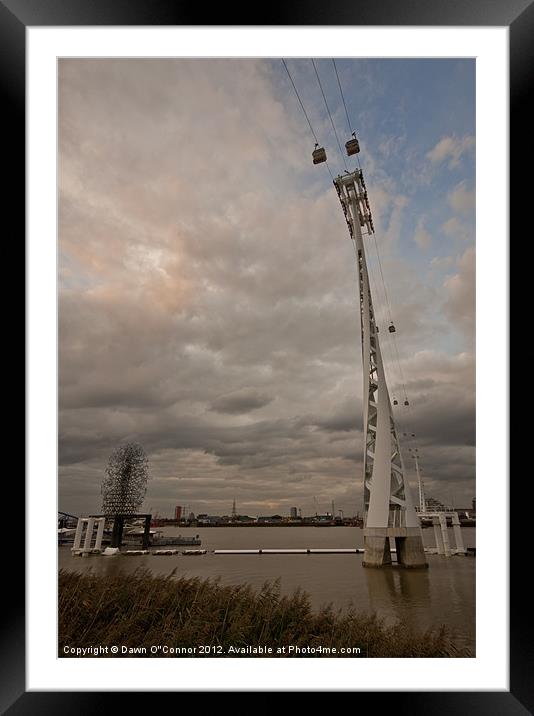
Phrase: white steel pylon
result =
(422, 499)
(390, 516)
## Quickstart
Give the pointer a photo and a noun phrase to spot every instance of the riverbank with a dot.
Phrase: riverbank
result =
(159, 616)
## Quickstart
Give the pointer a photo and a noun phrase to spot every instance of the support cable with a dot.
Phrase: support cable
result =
(301, 104)
(329, 114)
(390, 316)
(385, 310)
(351, 131)
(305, 114)
(387, 360)
(342, 98)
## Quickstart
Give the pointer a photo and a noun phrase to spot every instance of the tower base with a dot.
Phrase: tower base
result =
(378, 542)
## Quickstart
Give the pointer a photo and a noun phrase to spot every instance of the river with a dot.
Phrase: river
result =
(442, 594)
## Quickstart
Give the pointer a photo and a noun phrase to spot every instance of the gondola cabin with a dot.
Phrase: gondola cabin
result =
(318, 155)
(352, 146)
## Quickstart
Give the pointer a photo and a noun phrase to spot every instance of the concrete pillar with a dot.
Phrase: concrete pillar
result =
(146, 533)
(377, 552)
(78, 535)
(116, 537)
(457, 529)
(100, 533)
(437, 535)
(89, 533)
(408, 543)
(410, 552)
(445, 535)
(393, 550)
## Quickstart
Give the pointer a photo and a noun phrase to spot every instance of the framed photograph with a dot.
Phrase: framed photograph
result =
(252, 378)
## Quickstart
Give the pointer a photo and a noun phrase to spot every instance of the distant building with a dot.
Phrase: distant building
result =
(212, 519)
(474, 503)
(323, 518)
(270, 519)
(293, 513)
(433, 505)
(191, 516)
(178, 513)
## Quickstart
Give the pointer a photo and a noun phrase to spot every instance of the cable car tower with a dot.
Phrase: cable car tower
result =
(390, 516)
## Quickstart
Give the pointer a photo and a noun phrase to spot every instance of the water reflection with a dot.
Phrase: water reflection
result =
(426, 598)
(395, 592)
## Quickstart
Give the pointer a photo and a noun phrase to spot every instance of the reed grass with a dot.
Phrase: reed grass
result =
(142, 609)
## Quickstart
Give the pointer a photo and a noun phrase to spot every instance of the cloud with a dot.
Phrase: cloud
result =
(442, 262)
(451, 149)
(460, 287)
(461, 199)
(455, 228)
(421, 237)
(241, 401)
(346, 417)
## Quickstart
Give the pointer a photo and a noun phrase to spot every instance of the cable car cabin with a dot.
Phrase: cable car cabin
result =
(318, 155)
(352, 146)
(396, 402)
(391, 328)
(406, 402)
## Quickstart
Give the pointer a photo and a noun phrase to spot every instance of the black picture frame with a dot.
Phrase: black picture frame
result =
(15, 17)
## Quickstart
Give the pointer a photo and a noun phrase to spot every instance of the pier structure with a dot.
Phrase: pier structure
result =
(391, 521)
(438, 518)
(91, 531)
(441, 533)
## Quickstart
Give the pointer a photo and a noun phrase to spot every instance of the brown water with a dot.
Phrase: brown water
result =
(443, 594)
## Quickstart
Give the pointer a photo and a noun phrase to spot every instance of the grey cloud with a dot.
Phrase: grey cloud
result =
(460, 287)
(347, 418)
(241, 401)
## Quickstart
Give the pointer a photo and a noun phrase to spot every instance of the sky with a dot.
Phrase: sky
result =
(208, 304)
